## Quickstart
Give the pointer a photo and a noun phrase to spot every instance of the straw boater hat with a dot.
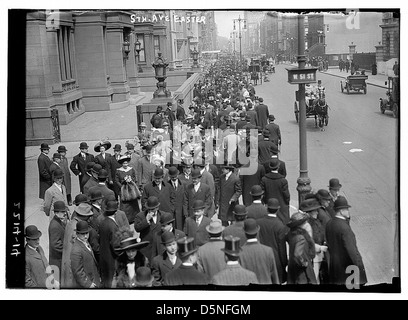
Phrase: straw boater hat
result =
(132, 243)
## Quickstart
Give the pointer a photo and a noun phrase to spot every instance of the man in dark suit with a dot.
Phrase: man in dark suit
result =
(213, 169)
(197, 191)
(274, 131)
(236, 229)
(56, 160)
(263, 113)
(84, 265)
(161, 190)
(233, 274)
(257, 257)
(56, 231)
(230, 191)
(186, 274)
(36, 263)
(180, 113)
(276, 186)
(93, 181)
(147, 223)
(343, 247)
(185, 176)
(195, 225)
(44, 163)
(108, 242)
(178, 188)
(272, 233)
(79, 163)
(282, 164)
(210, 257)
(257, 209)
(166, 262)
(169, 114)
(250, 174)
(157, 118)
(101, 186)
(113, 164)
(265, 147)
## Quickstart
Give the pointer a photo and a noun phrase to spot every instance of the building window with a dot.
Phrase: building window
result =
(65, 53)
(142, 55)
(156, 45)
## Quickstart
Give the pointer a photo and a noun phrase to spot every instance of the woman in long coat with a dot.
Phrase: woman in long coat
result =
(124, 175)
(301, 250)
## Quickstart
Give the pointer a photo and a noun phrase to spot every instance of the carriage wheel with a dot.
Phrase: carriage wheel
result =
(395, 110)
(342, 88)
(296, 112)
(365, 90)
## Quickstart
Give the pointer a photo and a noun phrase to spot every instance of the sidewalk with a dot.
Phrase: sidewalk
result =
(378, 80)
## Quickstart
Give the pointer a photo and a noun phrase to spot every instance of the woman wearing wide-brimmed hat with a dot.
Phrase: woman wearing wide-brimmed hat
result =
(301, 250)
(130, 258)
(129, 194)
(103, 156)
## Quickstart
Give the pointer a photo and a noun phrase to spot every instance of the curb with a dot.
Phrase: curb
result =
(370, 83)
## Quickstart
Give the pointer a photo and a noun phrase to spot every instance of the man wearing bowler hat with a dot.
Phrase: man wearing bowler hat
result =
(56, 192)
(161, 190)
(274, 130)
(147, 223)
(56, 160)
(230, 191)
(93, 181)
(334, 190)
(178, 188)
(186, 274)
(196, 191)
(170, 114)
(262, 111)
(257, 209)
(84, 264)
(103, 175)
(44, 163)
(113, 164)
(343, 247)
(168, 260)
(36, 263)
(65, 168)
(272, 233)
(56, 230)
(210, 257)
(185, 176)
(233, 274)
(236, 229)
(195, 226)
(257, 257)
(79, 162)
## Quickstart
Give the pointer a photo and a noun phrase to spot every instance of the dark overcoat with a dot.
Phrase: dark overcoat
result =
(229, 190)
(250, 180)
(108, 242)
(78, 167)
(263, 114)
(185, 275)
(56, 231)
(190, 195)
(256, 211)
(147, 231)
(161, 265)
(199, 233)
(44, 163)
(178, 203)
(166, 196)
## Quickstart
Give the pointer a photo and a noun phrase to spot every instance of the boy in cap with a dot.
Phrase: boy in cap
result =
(79, 164)
(44, 163)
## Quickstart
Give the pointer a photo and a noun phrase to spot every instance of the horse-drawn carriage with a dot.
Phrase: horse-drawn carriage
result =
(355, 83)
(316, 106)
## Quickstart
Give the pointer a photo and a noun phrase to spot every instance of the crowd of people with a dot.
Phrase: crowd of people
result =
(201, 198)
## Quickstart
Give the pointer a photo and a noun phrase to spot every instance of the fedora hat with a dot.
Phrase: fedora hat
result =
(232, 245)
(84, 209)
(240, 210)
(132, 243)
(106, 144)
(196, 174)
(323, 194)
(62, 149)
(111, 207)
(96, 168)
(56, 155)
(44, 146)
(89, 166)
(340, 203)
(215, 227)
(32, 232)
(83, 145)
(82, 227)
(256, 191)
(58, 173)
(166, 218)
(198, 205)
(152, 203)
(144, 277)
(173, 172)
(158, 173)
(309, 205)
(186, 246)
(167, 237)
(59, 206)
(297, 219)
(274, 164)
(95, 195)
(334, 183)
(273, 204)
(103, 174)
(250, 226)
(81, 198)
(117, 147)
(124, 158)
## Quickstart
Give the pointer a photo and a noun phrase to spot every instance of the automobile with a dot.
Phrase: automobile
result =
(354, 83)
(391, 102)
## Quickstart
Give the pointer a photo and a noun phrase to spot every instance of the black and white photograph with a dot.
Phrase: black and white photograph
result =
(197, 151)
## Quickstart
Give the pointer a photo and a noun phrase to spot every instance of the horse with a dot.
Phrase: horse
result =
(321, 115)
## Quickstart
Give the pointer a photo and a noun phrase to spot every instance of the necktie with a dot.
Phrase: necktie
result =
(83, 156)
(38, 250)
(175, 185)
(198, 221)
(88, 246)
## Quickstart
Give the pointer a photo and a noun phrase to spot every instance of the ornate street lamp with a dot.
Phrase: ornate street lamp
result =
(160, 67)
(137, 49)
(194, 54)
(126, 49)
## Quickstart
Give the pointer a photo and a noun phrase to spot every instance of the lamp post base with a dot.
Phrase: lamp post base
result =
(303, 188)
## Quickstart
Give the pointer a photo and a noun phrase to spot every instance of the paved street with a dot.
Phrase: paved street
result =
(368, 175)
